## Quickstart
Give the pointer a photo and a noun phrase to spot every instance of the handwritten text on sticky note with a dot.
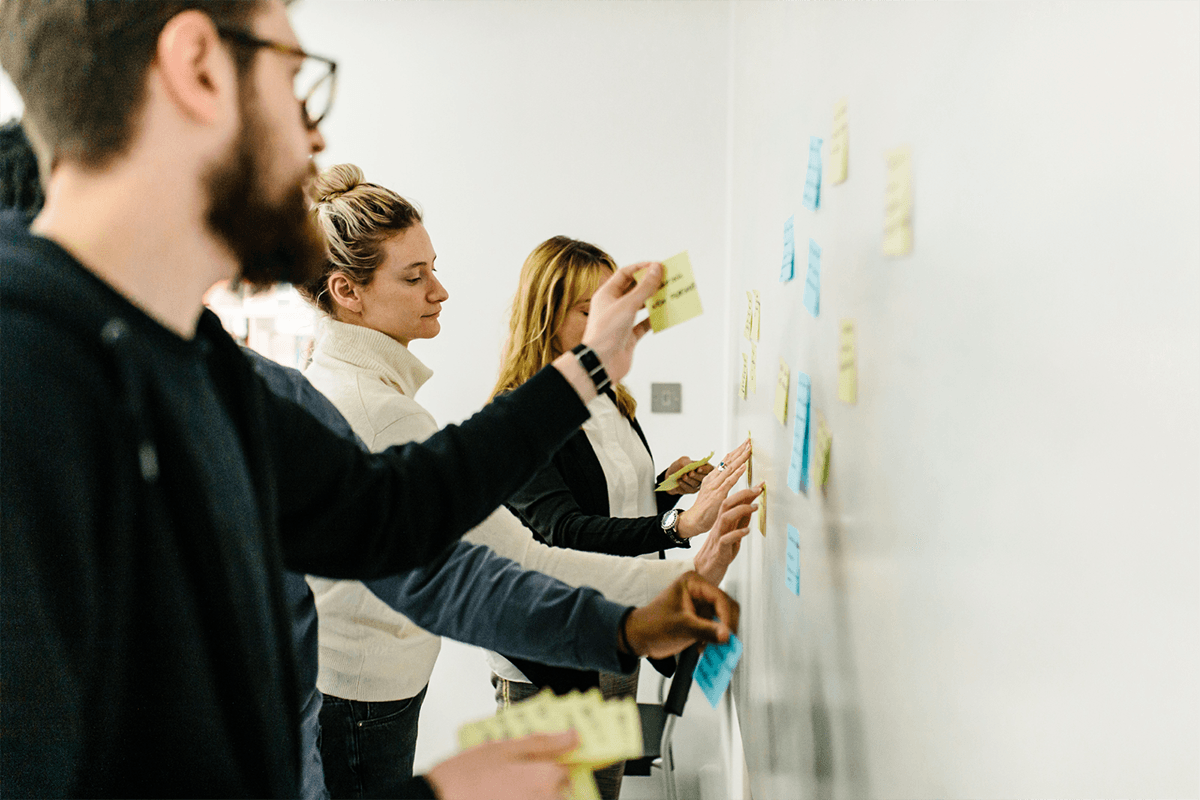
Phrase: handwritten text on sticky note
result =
(787, 270)
(812, 180)
(792, 565)
(678, 299)
(839, 143)
(897, 213)
(781, 392)
(812, 281)
(848, 364)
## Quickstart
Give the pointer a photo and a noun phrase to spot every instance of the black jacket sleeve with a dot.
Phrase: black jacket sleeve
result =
(566, 505)
(400, 508)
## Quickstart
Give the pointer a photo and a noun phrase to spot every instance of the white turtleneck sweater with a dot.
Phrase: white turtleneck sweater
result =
(368, 651)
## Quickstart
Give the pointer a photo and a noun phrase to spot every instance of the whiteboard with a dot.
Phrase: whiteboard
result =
(999, 585)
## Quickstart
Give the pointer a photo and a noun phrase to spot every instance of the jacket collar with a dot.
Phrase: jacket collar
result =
(376, 352)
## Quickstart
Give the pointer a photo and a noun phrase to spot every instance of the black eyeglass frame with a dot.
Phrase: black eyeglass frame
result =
(249, 40)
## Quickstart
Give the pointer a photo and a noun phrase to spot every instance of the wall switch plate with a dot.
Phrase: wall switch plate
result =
(666, 398)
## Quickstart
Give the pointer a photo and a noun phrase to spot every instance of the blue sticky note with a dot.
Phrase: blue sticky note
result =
(798, 467)
(793, 560)
(715, 668)
(812, 282)
(788, 270)
(812, 181)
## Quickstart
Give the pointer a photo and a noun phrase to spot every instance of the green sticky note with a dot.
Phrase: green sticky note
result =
(672, 480)
(677, 300)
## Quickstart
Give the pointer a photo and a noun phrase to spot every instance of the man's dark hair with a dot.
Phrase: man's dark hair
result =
(81, 65)
(20, 189)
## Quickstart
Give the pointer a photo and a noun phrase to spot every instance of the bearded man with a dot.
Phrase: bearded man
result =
(152, 488)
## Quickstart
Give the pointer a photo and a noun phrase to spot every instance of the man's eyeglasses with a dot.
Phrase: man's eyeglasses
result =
(315, 83)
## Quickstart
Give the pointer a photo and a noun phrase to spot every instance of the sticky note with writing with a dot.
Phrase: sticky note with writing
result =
(757, 316)
(798, 466)
(897, 213)
(812, 282)
(749, 332)
(750, 460)
(848, 364)
(678, 299)
(839, 143)
(788, 270)
(812, 181)
(792, 568)
(781, 392)
(753, 368)
(715, 668)
(745, 375)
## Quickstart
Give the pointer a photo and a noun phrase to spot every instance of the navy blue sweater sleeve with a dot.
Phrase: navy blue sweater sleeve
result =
(476, 596)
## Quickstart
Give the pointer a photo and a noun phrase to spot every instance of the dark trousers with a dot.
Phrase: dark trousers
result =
(368, 748)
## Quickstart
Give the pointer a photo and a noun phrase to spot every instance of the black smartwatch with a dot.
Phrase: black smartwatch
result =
(591, 365)
(670, 527)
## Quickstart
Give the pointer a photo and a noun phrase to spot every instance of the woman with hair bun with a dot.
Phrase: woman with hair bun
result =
(379, 293)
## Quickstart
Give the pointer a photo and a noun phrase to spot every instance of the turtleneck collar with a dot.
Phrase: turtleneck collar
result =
(369, 349)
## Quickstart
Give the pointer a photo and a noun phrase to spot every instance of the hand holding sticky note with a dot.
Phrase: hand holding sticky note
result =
(672, 480)
(677, 300)
(716, 666)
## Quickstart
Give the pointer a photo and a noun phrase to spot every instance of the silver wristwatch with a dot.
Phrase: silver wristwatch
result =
(670, 526)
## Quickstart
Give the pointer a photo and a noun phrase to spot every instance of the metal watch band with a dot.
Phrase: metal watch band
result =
(591, 365)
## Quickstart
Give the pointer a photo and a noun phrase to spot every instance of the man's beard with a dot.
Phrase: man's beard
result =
(273, 242)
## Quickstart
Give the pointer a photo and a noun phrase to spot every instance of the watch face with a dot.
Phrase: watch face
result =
(668, 520)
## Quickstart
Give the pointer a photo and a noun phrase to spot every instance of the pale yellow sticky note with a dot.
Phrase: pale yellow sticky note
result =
(839, 143)
(762, 510)
(822, 451)
(750, 461)
(757, 315)
(897, 214)
(672, 480)
(678, 299)
(745, 375)
(848, 364)
(781, 392)
(753, 368)
(749, 331)
(583, 783)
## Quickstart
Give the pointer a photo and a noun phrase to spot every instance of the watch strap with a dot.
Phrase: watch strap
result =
(591, 365)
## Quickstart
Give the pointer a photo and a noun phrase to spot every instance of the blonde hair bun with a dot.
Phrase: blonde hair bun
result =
(336, 181)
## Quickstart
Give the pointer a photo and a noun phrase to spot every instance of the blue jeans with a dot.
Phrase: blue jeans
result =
(368, 748)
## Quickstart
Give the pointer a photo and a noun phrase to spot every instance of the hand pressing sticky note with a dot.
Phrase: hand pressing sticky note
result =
(781, 392)
(672, 480)
(715, 668)
(678, 299)
(848, 364)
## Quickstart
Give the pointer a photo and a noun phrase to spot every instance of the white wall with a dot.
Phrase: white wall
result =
(512, 122)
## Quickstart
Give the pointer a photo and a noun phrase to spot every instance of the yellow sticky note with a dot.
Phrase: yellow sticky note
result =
(757, 315)
(762, 511)
(781, 392)
(749, 332)
(897, 214)
(822, 451)
(678, 299)
(839, 143)
(745, 375)
(672, 480)
(848, 364)
(750, 462)
(583, 783)
(753, 368)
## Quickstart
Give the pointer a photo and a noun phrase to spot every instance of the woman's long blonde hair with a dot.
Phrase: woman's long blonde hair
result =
(554, 277)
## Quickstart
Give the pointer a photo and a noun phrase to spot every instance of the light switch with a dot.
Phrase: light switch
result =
(666, 398)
